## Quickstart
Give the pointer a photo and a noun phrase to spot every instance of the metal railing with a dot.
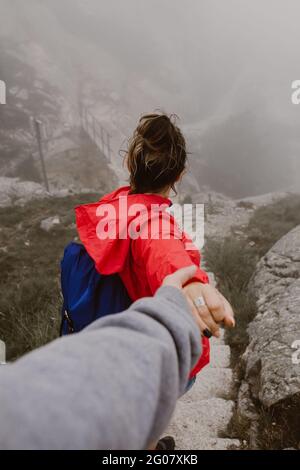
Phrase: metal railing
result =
(96, 132)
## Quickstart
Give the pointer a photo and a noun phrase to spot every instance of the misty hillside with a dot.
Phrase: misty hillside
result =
(78, 75)
(230, 87)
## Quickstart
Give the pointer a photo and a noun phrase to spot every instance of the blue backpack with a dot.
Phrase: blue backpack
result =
(87, 295)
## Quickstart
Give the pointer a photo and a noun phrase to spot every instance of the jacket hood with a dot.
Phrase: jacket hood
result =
(103, 226)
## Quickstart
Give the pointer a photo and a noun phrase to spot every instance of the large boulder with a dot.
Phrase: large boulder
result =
(13, 191)
(271, 373)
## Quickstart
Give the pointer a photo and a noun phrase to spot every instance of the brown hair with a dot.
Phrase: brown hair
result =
(156, 154)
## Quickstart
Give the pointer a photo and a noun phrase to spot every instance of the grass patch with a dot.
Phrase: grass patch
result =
(279, 426)
(245, 205)
(269, 223)
(30, 271)
(233, 262)
(238, 428)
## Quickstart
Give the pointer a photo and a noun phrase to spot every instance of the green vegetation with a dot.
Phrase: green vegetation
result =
(233, 262)
(30, 273)
(269, 223)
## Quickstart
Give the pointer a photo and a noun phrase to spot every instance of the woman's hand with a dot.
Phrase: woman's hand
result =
(215, 311)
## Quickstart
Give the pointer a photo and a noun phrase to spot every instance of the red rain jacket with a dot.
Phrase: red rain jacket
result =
(144, 261)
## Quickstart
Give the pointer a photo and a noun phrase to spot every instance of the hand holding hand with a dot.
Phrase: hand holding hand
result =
(215, 309)
(210, 306)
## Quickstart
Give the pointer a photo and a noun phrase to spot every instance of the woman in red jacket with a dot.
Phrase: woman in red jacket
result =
(129, 231)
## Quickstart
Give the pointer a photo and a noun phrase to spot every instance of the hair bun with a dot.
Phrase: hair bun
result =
(156, 154)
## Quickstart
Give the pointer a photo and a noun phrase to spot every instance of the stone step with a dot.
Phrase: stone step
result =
(216, 341)
(194, 422)
(211, 382)
(219, 356)
(216, 443)
(211, 277)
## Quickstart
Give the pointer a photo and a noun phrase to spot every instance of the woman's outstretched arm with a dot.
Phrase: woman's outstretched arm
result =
(112, 386)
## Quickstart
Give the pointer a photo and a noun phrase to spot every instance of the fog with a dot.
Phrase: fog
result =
(212, 62)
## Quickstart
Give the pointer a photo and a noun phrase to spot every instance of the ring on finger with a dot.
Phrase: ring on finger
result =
(199, 302)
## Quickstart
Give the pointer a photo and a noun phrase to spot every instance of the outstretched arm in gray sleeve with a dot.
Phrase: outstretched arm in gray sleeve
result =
(112, 386)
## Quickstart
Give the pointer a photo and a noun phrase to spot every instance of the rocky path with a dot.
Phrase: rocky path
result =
(203, 414)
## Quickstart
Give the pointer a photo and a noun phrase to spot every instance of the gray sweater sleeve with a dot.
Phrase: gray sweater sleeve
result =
(112, 386)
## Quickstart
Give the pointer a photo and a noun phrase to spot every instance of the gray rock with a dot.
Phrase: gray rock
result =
(270, 371)
(245, 405)
(13, 191)
(50, 223)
